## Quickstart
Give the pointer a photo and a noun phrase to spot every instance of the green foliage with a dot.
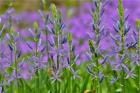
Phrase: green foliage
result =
(68, 84)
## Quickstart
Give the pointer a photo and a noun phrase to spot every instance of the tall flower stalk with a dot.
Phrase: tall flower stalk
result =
(97, 28)
(13, 38)
(122, 30)
(58, 38)
(63, 58)
(36, 40)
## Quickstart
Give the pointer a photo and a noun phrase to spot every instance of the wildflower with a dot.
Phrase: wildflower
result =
(113, 80)
(64, 40)
(88, 56)
(75, 73)
(105, 60)
(127, 29)
(62, 26)
(130, 73)
(52, 43)
(116, 28)
(89, 69)
(131, 46)
(68, 60)
(29, 45)
(43, 49)
(11, 48)
(56, 76)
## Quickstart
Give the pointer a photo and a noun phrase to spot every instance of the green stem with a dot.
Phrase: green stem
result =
(16, 69)
(37, 72)
(108, 86)
(138, 73)
(97, 64)
(57, 47)
(123, 82)
(139, 79)
(93, 87)
(138, 52)
(56, 88)
(122, 52)
(123, 72)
